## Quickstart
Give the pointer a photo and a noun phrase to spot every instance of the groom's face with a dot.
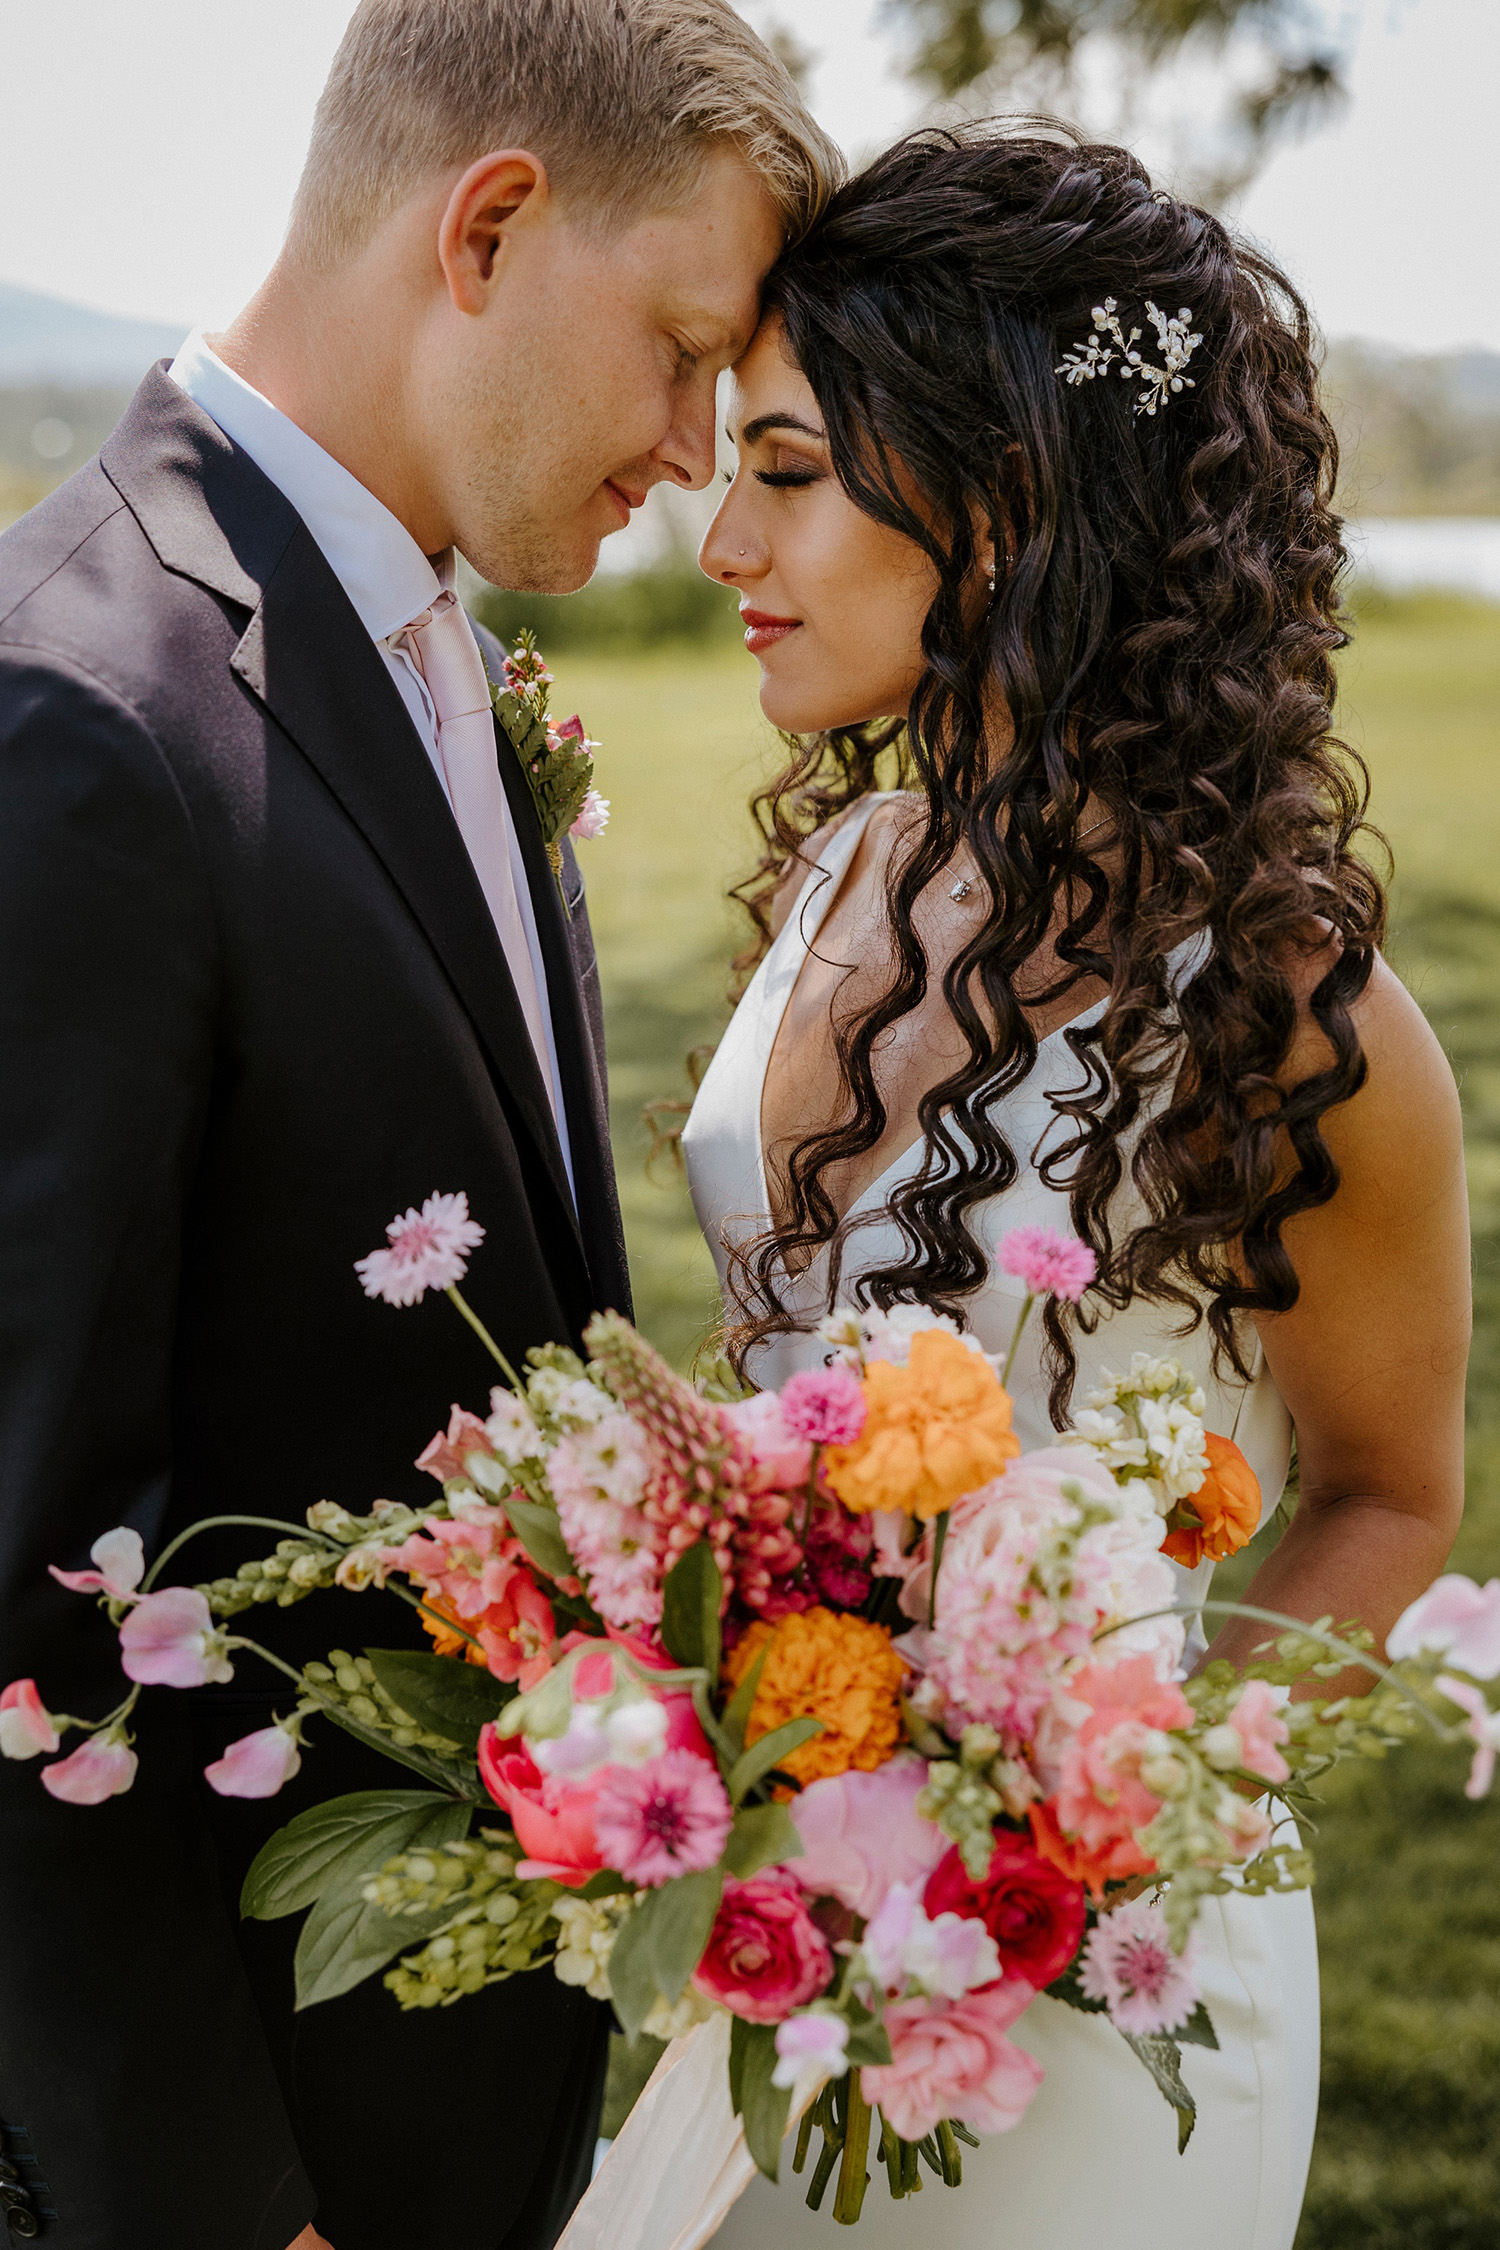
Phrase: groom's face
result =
(589, 374)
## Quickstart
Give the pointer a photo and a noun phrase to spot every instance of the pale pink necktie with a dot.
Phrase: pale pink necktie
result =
(448, 658)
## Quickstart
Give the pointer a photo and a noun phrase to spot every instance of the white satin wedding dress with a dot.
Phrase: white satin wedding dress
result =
(1094, 2164)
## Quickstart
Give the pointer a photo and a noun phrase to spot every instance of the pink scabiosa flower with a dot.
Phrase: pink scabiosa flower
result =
(951, 2058)
(258, 1764)
(669, 1817)
(170, 1640)
(766, 1955)
(1051, 1265)
(1128, 1963)
(825, 1405)
(428, 1249)
(1456, 1619)
(104, 1766)
(1483, 1730)
(27, 1727)
(593, 818)
(121, 1564)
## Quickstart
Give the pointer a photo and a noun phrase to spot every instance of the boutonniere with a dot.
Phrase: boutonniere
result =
(557, 760)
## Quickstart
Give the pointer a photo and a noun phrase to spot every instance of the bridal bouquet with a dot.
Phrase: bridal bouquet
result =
(826, 1714)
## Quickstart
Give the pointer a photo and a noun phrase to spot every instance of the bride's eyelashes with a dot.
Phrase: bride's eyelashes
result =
(785, 479)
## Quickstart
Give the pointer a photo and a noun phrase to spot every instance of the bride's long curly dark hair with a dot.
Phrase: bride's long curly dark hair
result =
(1161, 636)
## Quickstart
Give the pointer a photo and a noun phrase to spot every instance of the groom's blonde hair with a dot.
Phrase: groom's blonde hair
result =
(621, 99)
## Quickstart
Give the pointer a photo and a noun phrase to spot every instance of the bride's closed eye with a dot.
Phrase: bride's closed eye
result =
(783, 478)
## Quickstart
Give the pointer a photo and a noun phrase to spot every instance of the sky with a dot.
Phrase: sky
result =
(150, 152)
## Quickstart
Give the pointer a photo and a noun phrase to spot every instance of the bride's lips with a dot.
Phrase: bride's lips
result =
(762, 630)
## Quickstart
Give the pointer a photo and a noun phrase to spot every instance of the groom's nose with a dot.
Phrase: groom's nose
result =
(686, 453)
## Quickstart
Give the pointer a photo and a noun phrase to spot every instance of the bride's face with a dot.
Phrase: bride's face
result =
(833, 602)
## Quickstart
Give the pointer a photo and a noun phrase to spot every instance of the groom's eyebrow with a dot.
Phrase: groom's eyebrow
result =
(754, 431)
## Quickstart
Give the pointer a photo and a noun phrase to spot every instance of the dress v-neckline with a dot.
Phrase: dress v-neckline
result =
(806, 931)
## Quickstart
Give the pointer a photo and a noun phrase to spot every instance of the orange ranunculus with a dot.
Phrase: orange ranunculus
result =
(1226, 1504)
(935, 1429)
(823, 1664)
(1115, 1861)
(445, 1640)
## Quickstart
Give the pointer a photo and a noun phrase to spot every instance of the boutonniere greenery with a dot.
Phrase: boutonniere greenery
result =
(557, 759)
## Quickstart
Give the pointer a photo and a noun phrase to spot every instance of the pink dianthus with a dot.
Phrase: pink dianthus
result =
(1051, 1265)
(669, 1817)
(825, 1405)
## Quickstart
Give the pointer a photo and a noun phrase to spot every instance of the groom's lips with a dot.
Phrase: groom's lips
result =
(625, 497)
(762, 630)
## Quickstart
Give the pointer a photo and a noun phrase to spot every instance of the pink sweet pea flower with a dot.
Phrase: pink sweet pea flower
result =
(257, 1765)
(170, 1640)
(1458, 1620)
(428, 1249)
(861, 1832)
(669, 1817)
(819, 2039)
(104, 1766)
(950, 2058)
(27, 1727)
(122, 1563)
(1254, 1719)
(1128, 1963)
(553, 1818)
(1051, 1265)
(825, 1405)
(1484, 1730)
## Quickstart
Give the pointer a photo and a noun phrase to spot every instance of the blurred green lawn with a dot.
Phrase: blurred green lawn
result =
(1408, 2153)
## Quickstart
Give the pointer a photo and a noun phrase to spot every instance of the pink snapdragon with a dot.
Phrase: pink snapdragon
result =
(593, 818)
(170, 1640)
(1128, 1963)
(1051, 1265)
(824, 1405)
(257, 1765)
(121, 1564)
(1483, 1730)
(818, 2040)
(951, 2058)
(104, 1766)
(426, 1249)
(27, 1727)
(861, 1833)
(1456, 1619)
(669, 1817)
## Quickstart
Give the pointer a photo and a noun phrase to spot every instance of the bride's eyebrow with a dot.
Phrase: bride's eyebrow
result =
(754, 431)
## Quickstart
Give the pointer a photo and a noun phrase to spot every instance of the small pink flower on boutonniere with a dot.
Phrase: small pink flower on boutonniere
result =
(594, 818)
(428, 1249)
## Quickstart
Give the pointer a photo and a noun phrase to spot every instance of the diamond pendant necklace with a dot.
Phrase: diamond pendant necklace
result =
(963, 886)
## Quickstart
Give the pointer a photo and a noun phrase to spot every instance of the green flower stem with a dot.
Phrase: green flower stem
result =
(939, 1542)
(1015, 1342)
(214, 1523)
(62, 1720)
(488, 1342)
(850, 2192)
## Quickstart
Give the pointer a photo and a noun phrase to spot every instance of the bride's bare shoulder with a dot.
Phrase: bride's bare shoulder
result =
(882, 822)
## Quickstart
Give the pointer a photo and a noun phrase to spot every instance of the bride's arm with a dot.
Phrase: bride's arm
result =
(1371, 1359)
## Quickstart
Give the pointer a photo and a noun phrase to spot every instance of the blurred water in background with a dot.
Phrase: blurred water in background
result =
(1402, 554)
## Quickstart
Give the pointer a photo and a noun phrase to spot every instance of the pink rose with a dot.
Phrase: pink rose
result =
(102, 1767)
(861, 1832)
(553, 1818)
(951, 2058)
(26, 1725)
(766, 1955)
(781, 1459)
(257, 1765)
(170, 1640)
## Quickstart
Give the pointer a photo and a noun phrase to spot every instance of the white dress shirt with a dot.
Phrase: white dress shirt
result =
(381, 568)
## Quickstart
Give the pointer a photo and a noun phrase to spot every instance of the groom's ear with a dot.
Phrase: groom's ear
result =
(499, 195)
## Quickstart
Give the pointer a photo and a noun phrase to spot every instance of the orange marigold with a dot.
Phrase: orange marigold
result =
(935, 1429)
(821, 1664)
(1226, 1506)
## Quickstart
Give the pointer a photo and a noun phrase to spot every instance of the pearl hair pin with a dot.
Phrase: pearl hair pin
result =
(963, 887)
(1091, 357)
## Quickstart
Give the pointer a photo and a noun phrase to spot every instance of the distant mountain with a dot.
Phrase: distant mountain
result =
(46, 340)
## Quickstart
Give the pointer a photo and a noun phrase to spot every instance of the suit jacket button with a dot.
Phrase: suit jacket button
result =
(24, 2225)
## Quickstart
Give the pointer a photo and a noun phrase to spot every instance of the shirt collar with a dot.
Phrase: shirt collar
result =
(375, 559)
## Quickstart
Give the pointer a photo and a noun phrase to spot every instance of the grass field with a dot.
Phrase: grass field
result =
(1408, 2153)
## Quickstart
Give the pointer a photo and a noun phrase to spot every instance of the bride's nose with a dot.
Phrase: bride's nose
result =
(732, 557)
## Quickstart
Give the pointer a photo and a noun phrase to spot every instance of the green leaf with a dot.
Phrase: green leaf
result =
(558, 779)
(661, 1944)
(330, 1845)
(1163, 2058)
(691, 1596)
(737, 1711)
(1068, 1989)
(761, 2107)
(443, 1695)
(540, 1534)
(768, 1752)
(344, 1940)
(761, 1835)
(1198, 2031)
(869, 2041)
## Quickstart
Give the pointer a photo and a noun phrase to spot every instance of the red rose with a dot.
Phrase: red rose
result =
(1034, 1914)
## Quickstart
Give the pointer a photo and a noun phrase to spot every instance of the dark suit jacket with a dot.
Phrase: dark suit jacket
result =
(251, 1004)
